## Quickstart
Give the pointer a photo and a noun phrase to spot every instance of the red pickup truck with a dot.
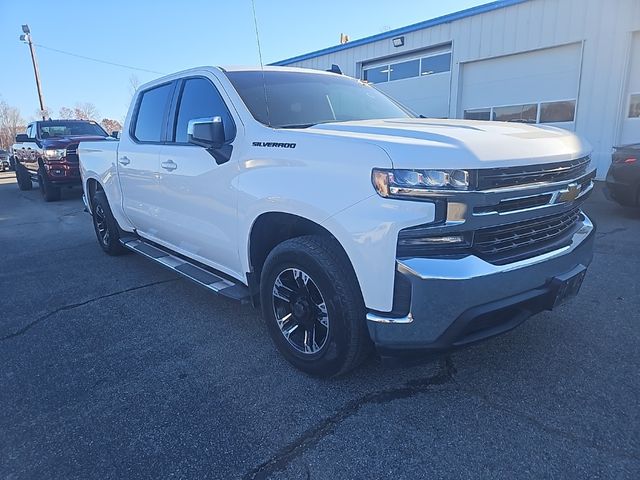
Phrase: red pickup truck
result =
(47, 153)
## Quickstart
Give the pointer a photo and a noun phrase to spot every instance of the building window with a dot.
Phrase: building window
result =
(634, 106)
(377, 74)
(552, 112)
(478, 114)
(516, 113)
(435, 64)
(402, 70)
(412, 68)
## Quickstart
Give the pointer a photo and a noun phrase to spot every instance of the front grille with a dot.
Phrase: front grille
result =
(513, 205)
(517, 241)
(514, 176)
(72, 153)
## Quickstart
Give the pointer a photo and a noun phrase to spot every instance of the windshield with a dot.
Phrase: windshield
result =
(300, 99)
(61, 128)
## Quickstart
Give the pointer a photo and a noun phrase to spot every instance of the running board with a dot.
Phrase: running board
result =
(195, 273)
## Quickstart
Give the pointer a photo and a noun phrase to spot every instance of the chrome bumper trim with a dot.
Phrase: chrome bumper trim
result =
(374, 317)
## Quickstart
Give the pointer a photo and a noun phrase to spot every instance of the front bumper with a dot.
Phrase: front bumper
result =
(63, 173)
(456, 302)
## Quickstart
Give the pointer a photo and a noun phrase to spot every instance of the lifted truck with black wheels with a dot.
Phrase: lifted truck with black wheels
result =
(47, 153)
(349, 221)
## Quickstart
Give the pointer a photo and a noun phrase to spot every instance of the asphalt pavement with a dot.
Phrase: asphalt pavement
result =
(115, 368)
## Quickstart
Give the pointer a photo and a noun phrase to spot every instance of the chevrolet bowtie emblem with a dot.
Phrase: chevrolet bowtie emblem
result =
(569, 194)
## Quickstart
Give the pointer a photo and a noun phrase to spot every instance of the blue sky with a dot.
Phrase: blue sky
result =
(168, 36)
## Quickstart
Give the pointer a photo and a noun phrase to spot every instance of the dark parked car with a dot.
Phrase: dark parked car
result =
(47, 153)
(623, 177)
(4, 160)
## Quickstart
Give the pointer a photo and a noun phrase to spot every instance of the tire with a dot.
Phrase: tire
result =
(324, 314)
(50, 192)
(105, 225)
(23, 178)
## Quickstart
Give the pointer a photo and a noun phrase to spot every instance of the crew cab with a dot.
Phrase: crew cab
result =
(47, 153)
(352, 223)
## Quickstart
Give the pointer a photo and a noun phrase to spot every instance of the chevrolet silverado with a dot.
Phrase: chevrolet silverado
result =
(352, 223)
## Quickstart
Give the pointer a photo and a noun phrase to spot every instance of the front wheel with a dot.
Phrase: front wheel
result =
(312, 306)
(50, 192)
(106, 226)
(23, 178)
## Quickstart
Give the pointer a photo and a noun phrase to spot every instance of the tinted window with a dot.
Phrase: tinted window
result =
(69, 128)
(436, 64)
(377, 74)
(200, 99)
(151, 113)
(516, 113)
(298, 100)
(404, 69)
(557, 111)
(478, 114)
(634, 106)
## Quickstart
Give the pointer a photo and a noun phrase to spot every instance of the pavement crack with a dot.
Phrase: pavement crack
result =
(611, 232)
(523, 417)
(295, 449)
(42, 318)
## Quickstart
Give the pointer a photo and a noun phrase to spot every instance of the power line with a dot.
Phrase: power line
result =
(97, 59)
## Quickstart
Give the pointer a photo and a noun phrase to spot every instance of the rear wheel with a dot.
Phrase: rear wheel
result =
(50, 192)
(312, 306)
(105, 225)
(23, 178)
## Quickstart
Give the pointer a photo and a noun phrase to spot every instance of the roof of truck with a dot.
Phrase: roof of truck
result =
(267, 68)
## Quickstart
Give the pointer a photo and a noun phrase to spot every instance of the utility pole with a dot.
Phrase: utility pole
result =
(27, 38)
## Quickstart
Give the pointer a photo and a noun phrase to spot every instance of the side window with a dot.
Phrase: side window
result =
(151, 113)
(31, 131)
(200, 99)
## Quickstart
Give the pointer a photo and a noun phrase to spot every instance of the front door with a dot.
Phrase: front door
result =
(197, 199)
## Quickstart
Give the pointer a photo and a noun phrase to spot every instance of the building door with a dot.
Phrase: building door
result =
(631, 112)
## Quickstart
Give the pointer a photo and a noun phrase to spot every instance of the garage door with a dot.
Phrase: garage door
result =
(533, 87)
(421, 81)
(631, 122)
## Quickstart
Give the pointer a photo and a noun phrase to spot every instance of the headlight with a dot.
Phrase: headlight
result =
(55, 153)
(417, 183)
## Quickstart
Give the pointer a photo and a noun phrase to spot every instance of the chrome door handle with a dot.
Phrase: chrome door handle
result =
(124, 160)
(169, 165)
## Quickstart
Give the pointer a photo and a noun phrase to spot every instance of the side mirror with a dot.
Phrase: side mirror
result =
(206, 132)
(23, 138)
(115, 134)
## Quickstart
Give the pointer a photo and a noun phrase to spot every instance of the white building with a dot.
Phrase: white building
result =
(571, 63)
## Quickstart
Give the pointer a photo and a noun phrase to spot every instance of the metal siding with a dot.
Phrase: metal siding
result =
(604, 26)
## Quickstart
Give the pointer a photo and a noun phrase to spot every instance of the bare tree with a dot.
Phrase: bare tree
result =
(111, 125)
(11, 123)
(134, 83)
(82, 111)
(66, 113)
(86, 111)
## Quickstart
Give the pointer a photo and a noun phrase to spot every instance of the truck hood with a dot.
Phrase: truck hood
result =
(431, 143)
(63, 142)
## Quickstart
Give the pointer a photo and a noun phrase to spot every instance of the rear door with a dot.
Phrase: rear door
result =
(138, 158)
(197, 200)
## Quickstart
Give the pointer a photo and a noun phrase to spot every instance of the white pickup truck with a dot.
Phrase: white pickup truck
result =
(350, 221)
